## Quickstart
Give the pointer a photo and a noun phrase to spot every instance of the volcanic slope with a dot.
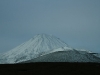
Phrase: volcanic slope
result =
(66, 55)
(36, 46)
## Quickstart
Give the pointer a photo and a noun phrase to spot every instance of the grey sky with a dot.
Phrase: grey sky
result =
(77, 22)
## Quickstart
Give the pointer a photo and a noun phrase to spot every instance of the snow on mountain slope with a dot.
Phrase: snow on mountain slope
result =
(33, 48)
(97, 54)
(83, 50)
(61, 55)
(46, 48)
(58, 49)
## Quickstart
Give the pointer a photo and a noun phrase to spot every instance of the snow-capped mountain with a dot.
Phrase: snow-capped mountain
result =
(33, 48)
(46, 48)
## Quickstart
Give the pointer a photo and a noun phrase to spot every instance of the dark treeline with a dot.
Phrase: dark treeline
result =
(50, 69)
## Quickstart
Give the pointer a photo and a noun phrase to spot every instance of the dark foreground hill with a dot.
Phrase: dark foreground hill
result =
(66, 56)
(50, 69)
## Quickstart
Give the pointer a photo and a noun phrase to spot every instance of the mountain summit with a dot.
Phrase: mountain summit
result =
(36, 46)
(46, 48)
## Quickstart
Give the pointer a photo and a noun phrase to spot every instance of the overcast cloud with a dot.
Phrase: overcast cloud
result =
(77, 22)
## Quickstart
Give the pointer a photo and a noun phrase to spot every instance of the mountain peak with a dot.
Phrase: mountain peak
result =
(36, 46)
(43, 36)
(49, 40)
